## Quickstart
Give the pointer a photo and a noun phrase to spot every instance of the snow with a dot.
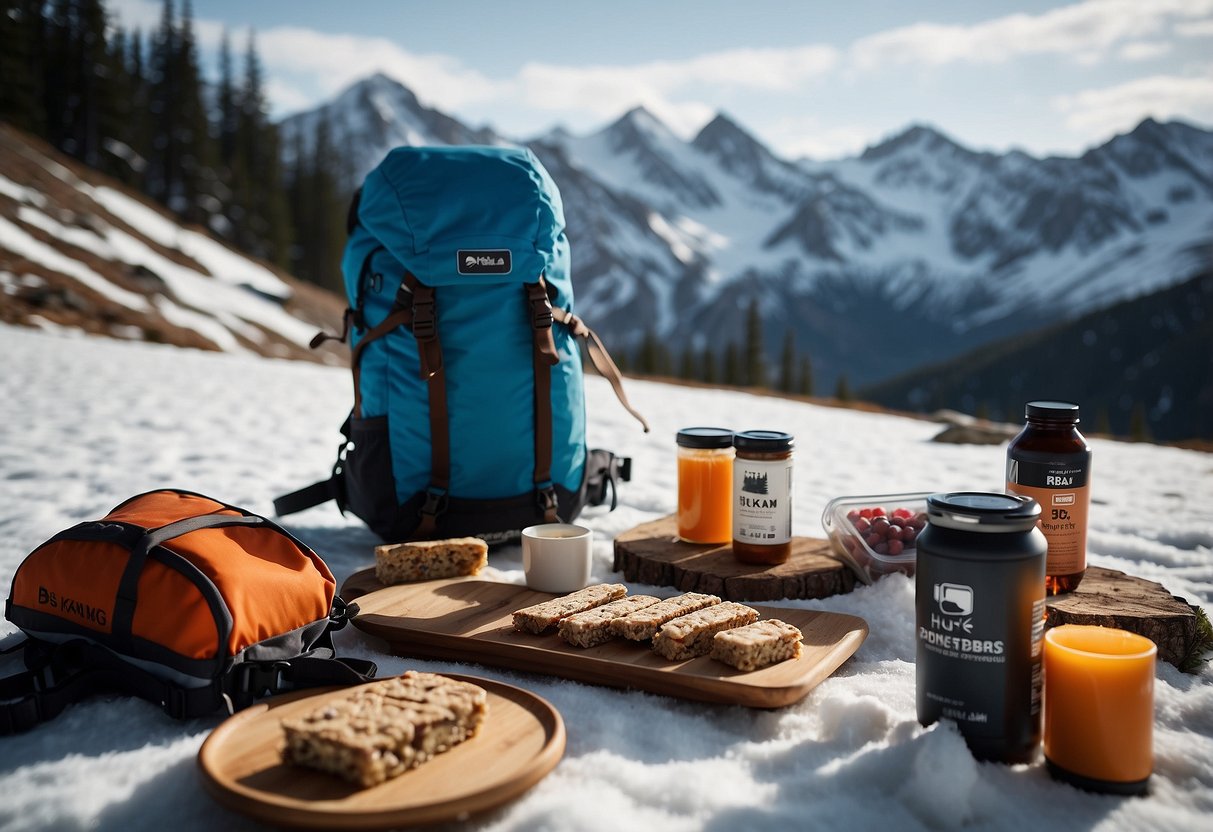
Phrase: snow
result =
(221, 296)
(86, 422)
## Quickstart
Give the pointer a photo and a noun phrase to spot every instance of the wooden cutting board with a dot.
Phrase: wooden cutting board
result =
(465, 619)
(652, 554)
(520, 741)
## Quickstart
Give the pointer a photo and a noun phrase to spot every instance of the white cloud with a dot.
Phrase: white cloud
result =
(1096, 113)
(1195, 29)
(331, 62)
(1144, 50)
(1086, 31)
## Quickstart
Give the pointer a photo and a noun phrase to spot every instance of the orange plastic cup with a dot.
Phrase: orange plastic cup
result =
(1099, 708)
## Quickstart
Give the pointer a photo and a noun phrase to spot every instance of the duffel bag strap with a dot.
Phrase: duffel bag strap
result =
(63, 674)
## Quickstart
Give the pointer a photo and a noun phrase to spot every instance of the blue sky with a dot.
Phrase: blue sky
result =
(818, 79)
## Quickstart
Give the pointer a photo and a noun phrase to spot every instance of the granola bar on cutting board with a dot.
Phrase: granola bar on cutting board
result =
(757, 645)
(541, 617)
(691, 635)
(593, 627)
(642, 625)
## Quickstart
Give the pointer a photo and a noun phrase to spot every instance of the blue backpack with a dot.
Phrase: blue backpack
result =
(469, 410)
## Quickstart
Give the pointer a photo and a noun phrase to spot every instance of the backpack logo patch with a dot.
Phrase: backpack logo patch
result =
(483, 261)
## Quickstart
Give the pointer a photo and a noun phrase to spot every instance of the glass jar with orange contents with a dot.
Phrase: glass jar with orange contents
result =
(705, 485)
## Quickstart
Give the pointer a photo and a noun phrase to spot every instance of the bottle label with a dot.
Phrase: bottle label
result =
(762, 501)
(1061, 487)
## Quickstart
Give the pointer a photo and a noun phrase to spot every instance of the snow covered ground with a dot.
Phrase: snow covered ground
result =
(85, 423)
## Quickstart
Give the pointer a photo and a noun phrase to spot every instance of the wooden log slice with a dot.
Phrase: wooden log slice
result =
(1108, 598)
(651, 554)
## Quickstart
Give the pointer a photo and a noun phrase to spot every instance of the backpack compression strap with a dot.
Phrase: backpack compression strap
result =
(544, 356)
(429, 353)
(601, 359)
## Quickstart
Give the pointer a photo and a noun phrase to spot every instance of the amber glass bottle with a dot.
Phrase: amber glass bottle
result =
(1050, 461)
(762, 497)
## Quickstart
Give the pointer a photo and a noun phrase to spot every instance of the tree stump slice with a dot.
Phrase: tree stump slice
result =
(651, 554)
(1108, 598)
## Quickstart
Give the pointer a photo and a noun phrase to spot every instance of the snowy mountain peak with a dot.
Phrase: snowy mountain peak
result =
(917, 137)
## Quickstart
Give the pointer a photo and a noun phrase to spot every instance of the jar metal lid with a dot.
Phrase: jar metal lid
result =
(982, 511)
(705, 438)
(763, 441)
(1059, 411)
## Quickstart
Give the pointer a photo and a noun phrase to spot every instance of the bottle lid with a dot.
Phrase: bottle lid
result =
(982, 511)
(1056, 411)
(705, 438)
(763, 441)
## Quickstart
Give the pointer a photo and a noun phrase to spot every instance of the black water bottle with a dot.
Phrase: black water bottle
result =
(979, 606)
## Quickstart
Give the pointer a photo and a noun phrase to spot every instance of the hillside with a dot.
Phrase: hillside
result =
(1156, 349)
(83, 252)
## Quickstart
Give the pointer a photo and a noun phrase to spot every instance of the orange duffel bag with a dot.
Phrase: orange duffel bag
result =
(188, 602)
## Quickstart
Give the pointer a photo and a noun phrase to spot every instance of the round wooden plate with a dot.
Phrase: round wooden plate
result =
(520, 741)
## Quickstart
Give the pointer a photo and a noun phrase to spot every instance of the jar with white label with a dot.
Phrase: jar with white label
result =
(762, 496)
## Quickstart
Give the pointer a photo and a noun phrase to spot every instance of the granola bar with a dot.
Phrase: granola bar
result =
(691, 635)
(593, 627)
(540, 617)
(757, 645)
(428, 559)
(383, 729)
(642, 625)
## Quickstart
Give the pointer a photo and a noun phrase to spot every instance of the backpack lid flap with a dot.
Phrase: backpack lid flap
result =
(465, 215)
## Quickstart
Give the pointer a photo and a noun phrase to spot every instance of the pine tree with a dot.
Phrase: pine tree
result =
(755, 369)
(732, 365)
(21, 93)
(688, 365)
(646, 357)
(805, 383)
(787, 363)
(192, 132)
(708, 362)
(260, 221)
(1139, 425)
(225, 106)
(163, 160)
(324, 223)
(842, 391)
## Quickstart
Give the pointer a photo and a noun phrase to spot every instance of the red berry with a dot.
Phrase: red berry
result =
(873, 539)
(881, 548)
(880, 525)
(865, 512)
(862, 525)
(917, 522)
(894, 547)
(878, 511)
(853, 515)
(902, 513)
(850, 544)
(909, 534)
(895, 532)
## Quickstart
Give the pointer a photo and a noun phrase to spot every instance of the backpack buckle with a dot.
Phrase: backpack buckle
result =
(174, 703)
(541, 307)
(260, 678)
(435, 502)
(424, 328)
(545, 498)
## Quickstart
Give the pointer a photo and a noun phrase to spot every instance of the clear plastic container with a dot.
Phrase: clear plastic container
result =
(853, 543)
